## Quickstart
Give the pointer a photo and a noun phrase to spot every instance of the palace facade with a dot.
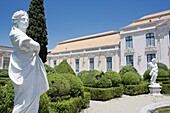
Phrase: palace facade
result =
(5, 53)
(99, 51)
(135, 44)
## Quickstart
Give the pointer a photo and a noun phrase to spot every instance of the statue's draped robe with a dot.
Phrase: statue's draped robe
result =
(27, 73)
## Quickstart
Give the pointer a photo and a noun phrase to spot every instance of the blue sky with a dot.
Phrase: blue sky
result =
(67, 19)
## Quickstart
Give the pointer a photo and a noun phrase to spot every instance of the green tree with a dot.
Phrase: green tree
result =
(37, 29)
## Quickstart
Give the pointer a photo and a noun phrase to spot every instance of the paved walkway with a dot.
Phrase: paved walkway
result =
(125, 104)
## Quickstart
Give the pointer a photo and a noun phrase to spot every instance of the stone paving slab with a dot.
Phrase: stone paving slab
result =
(125, 104)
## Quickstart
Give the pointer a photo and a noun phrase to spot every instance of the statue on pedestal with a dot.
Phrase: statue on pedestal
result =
(154, 87)
(153, 71)
(26, 69)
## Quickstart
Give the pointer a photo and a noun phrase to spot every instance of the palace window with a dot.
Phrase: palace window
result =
(55, 62)
(129, 42)
(150, 57)
(109, 63)
(91, 62)
(77, 65)
(129, 60)
(6, 62)
(150, 39)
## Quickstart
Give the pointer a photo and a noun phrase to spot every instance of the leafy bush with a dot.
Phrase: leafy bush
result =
(137, 89)
(59, 86)
(76, 85)
(99, 75)
(130, 78)
(146, 76)
(169, 71)
(7, 97)
(103, 82)
(64, 67)
(163, 75)
(114, 77)
(73, 105)
(49, 69)
(104, 93)
(127, 69)
(165, 88)
(44, 106)
(162, 66)
(88, 77)
(3, 72)
(86, 100)
(3, 81)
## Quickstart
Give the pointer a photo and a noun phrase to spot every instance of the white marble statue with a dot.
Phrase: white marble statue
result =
(153, 71)
(26, 69)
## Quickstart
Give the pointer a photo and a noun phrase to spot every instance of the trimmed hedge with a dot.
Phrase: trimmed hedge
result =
(104, 94)
(130, 78)
(73, 105)
(76, 85)
(165, 88)
(64, 67)
(59, 86)
(103, 82)
(86, 100)
(114, 77)
(6, 98)
(136, 89)
(3, 81)
(44, 106)
(146, 76)
(128, 68)
(88, 77)
(163, 75)
(48, 69)
(162, 66)
(4, 73)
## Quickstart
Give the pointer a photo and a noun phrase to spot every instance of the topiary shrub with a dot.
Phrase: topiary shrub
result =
(162, 66)
(49, 69)
(103, 82)
(44, 106)
(163, 75)
(76, 85)
(114, 77)
(146, 76)
(86, 99)
(99, 75)
(73, 105)
(105, 93)
(136, 89)
(130, 78)
(7, 98)
(127, 69)
(88, 77)
(165, 88)
(169, 72)
(4, 73)
(59, 86)
(64, 67)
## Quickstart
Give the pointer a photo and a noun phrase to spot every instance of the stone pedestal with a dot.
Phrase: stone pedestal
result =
(155, 89)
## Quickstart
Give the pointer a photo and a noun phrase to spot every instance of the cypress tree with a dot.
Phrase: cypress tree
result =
(37, 29)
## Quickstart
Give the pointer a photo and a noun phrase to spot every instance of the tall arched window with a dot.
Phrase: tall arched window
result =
(129, 42)
(150, 39)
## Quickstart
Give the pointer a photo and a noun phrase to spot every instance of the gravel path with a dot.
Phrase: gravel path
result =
(125, 104)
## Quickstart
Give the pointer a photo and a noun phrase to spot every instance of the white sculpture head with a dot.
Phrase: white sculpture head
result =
(20, 20)
(153, 60)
